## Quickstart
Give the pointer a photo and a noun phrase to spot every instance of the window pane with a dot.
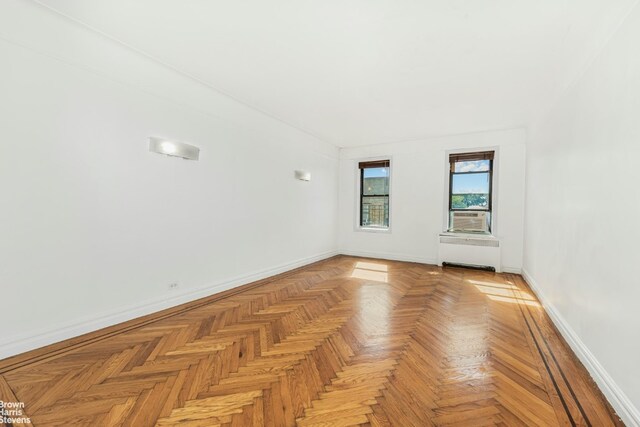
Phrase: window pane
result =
(376, 181)
(375, 211)
(470, 191)
(475, 183)
(472, 166)
(470, 201)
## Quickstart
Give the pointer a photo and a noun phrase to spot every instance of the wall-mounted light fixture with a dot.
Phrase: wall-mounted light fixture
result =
(173, 148)
(303, 175)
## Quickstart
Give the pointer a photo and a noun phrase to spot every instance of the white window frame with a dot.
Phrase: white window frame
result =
(494, 188)
(357, 226)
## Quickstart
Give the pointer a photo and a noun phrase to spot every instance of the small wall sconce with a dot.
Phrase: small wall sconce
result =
(303, 175)
(173, 148)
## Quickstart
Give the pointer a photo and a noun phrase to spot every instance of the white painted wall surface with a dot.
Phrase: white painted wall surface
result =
(94, 227)
(419, 196)
(582, 233)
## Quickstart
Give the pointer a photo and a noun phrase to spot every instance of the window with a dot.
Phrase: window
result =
(374, 194)
(470, 186)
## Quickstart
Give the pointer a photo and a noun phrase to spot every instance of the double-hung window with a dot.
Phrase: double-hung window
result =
(374, 194)
(470, 191)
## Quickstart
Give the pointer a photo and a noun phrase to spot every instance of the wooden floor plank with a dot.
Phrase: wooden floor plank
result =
(348, 341)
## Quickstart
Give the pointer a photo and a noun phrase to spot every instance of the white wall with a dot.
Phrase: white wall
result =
(94, 227)
(582, 231)
(419, 196)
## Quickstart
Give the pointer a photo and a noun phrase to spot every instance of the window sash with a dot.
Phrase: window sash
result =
(469, 210)
(464, 157)
(385, 211)
(373, 165)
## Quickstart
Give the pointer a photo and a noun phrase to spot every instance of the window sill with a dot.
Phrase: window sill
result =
(480, 235)
(373, 229)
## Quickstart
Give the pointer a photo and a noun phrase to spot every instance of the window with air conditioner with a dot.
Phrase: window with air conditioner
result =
(470, 192)
(374, 194)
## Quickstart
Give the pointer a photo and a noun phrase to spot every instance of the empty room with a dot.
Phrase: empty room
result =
(319, 213)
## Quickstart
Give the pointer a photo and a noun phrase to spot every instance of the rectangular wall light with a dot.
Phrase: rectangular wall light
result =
(303, 175)
(173, 148)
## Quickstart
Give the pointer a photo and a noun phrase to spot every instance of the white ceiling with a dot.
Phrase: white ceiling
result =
(356, 72)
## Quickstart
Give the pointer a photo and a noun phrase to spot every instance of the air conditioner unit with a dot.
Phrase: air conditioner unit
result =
(469, 221)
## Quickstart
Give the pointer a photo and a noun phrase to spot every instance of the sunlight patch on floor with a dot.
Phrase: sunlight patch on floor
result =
(513, 300)
(492, 284)
(371, 266)
(371, 271)
(491, 290)
(376, 276)
(504, 293)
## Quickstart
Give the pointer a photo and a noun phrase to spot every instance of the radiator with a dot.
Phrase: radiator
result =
(479, 251)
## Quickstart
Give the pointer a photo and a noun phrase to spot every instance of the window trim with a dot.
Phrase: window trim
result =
(460, 154)
(358, 193)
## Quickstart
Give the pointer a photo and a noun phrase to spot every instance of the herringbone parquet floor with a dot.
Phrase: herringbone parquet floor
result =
(342, 342)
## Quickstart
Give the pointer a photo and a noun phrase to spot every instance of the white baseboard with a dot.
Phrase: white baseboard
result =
(55, 333)
(389, 256)
(614, 394)
(514, 270)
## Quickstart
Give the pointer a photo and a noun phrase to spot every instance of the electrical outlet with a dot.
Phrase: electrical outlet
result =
(173, 286)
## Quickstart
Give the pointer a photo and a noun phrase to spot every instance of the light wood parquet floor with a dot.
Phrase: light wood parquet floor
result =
(346, 341)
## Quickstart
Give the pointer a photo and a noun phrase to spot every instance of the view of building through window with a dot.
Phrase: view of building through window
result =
(374, 194)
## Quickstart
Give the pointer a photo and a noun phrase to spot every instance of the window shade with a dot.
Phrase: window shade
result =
(374, 164)
(468, 157)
